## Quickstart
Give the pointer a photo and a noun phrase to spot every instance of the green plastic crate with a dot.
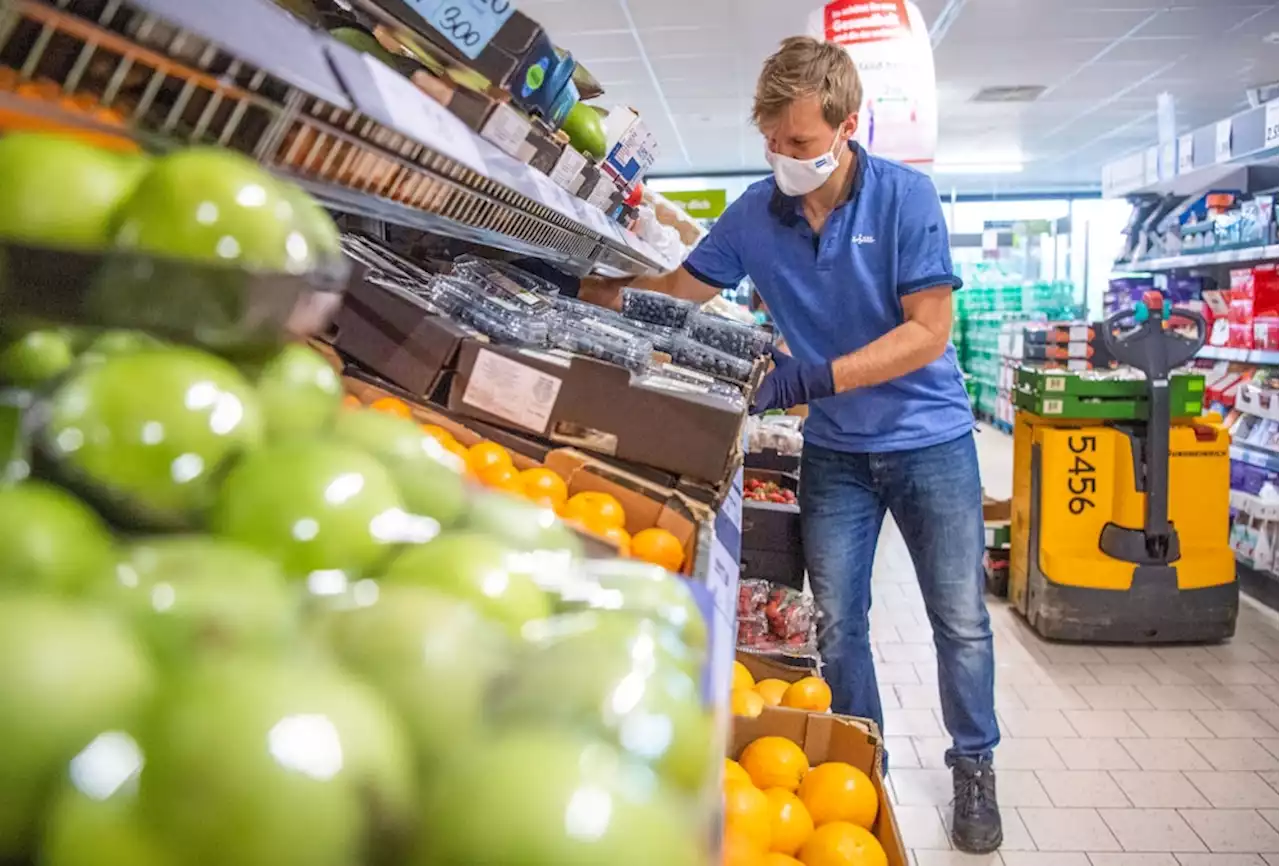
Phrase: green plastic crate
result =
(1184, 388)
(1102, 408)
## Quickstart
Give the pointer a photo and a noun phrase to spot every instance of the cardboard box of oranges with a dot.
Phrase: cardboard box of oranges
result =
(808, 786)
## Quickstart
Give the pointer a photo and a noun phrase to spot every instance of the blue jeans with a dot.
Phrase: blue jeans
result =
(935, 496)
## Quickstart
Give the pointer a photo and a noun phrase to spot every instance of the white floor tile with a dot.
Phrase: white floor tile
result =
(1231, 830)
(1234, 790)
(1150, 789)
(1099, 753)
(1068, 830)
(1158, 830)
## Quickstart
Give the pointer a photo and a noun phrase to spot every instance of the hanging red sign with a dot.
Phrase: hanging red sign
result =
(857, 22)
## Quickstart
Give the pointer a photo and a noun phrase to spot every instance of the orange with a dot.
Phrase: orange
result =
(842, 844)
(839, 792)
(594, 510)
(810, 694)
(457, 449)
(733, 772)
(740, 850)
(545, 487)
(501, 477)
(742, 678)
(393, 406)
(745, 702)
(773, 858)
(659, 547)
(746, 811)
(619, 538)
(772, 691)
(351, 401)
(774, 762)
(438, 433)
(483, 456)
(790, 824)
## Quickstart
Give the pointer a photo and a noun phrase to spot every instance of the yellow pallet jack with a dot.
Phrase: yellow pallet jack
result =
(1120, 528)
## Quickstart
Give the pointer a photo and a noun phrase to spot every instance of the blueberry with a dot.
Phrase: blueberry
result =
(656, 308)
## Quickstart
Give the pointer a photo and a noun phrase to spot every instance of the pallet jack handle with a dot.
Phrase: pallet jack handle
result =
(1156, 350)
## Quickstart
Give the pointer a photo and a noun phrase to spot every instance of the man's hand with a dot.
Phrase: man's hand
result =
(604, 291)
(792, 383)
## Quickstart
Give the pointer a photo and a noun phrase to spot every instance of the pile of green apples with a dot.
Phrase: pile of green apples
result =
(202, 204)
(244, 625)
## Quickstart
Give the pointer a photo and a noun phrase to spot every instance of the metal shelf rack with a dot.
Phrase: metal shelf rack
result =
(172, 85)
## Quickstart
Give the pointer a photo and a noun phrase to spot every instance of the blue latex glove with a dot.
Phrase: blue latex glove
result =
(793, 383)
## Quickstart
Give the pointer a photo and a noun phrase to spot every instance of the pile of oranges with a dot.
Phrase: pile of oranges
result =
(780, 812)
(598, 513)
(749, 698)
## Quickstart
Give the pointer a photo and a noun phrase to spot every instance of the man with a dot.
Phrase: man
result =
(851, 255)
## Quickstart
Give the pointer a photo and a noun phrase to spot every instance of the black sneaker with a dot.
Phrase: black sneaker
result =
(975, 823)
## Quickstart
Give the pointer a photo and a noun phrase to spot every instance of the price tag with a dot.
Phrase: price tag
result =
(1222, 141)
(423, 119)
(469, 24)
(1271, 125)
(1186, 153)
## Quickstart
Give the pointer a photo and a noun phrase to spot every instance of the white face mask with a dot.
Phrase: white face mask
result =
(803, 176)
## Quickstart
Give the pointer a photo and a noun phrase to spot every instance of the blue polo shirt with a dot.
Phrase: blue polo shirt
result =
(833, 293)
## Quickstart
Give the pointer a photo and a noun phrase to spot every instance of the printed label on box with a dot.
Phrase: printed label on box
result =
(1053, 407)
(512, 391)
(1186, 153)
(1222, 141)
(507, 129)
(1077, 333)
(567, 173)
(1055, 383)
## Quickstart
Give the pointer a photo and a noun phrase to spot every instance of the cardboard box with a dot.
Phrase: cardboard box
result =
(772, 544)
(593, 405)
(767, 667)
(826, 737)
(396, 336)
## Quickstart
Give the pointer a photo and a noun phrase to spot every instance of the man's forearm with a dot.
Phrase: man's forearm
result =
(903, 350)
(606, 291)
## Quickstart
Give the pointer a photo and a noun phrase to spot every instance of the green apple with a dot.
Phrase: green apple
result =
(51, 541)
(432, 656)
(626, 689)
(314, 506)
(585, 128)
(313, 221)
(109, 343)
(214, 205)
(522, 524)
(149, 431)
(543, 798)
(36, 357)
(429, 477)
(475, 568)
(94, 820)
(195, 594)
(58, 191)
(648, 591)
(300, 393)
(261, 763)
(67, 673)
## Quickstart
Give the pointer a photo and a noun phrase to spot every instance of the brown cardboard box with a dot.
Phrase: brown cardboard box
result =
(825, 737)
(763, 667)
(593, 405)
(396, 338)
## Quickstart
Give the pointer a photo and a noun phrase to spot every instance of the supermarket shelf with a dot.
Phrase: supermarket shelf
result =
(1269, 357)
(1255, 456)
(1200, 260)
(246, 76)
(1260, 585)
(1254, 400)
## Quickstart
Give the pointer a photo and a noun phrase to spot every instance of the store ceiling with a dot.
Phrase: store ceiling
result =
(690, 65)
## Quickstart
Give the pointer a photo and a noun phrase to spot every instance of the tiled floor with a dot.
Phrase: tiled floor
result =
(1112, 755)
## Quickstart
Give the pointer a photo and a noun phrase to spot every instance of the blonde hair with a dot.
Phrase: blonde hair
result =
(802, 67)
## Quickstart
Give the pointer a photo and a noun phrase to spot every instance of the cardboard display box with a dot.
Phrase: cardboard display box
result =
(595, 405)
(772, 547)
(767, 667)
(826, 737)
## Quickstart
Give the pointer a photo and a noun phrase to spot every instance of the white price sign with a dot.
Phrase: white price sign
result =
(1186, 153)
(1222, 141)
(1271, 125)
(423, 119)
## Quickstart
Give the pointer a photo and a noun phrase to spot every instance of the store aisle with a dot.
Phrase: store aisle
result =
(1112, 756)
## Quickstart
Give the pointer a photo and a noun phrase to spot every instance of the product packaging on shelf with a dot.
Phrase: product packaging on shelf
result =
(690, 353)
(732, 338)
(657, 308)
(594, 338)
(772, 545)
(600, 407)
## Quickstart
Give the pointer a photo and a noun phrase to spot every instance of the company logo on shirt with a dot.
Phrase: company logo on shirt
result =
(858, 240)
